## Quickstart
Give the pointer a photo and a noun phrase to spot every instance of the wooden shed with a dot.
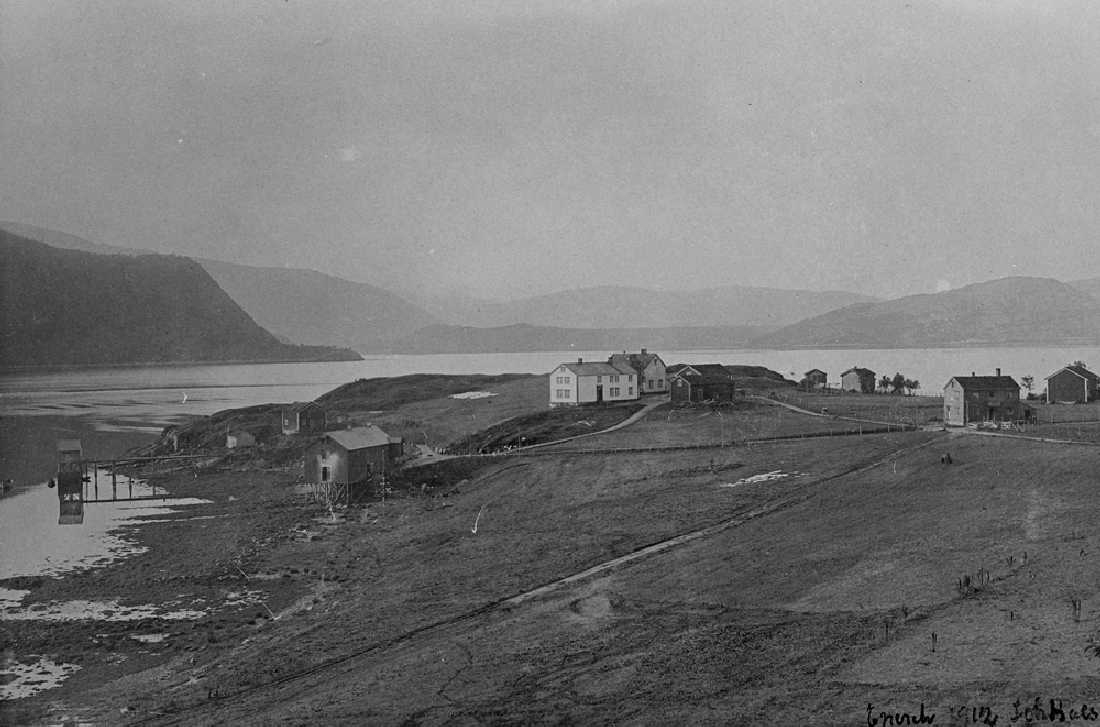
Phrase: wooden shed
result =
(351, 455)
(859, 380)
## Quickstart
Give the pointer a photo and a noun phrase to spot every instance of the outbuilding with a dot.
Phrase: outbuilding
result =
(815, 380)
(239, 439)
(303, 418)
(351, 455)
(1072, 384)
(694, 383)
(859, 380)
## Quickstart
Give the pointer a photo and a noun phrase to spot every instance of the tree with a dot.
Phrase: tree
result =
(898, 382)
(884, 383)
(911, 385)
(1027, 382)
(1080, 363)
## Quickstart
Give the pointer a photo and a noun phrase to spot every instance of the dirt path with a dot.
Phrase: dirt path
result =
(429, 456)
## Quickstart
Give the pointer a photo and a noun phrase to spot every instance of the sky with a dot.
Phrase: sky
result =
(505, 149)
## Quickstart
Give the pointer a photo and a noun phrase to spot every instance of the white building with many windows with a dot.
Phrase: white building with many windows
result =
(584, 383)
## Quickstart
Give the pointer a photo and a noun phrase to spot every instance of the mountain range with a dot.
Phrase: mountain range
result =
(70, 307)
(1017, 310)
(308, 307)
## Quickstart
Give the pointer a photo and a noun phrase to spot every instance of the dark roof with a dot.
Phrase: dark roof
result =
(361, 437)
(710, 372)
(815, 371)
(639, 360)
(1079, 371)
(597, 368)
(986, 382)
(858, 371)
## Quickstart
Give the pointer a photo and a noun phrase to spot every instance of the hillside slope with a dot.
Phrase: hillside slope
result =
(627, 307)
(1018, 310)
(73, 307)
(305, 306)
(298, 306)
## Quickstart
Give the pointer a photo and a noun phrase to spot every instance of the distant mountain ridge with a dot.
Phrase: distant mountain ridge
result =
(70, 307)
(522, 337)
(627, 307)
(1017, 310)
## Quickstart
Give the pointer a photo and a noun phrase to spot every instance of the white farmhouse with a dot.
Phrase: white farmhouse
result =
(650, 369)
(583, 383)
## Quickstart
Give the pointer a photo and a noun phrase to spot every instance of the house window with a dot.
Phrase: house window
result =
(562, 393)
(326, 474)
(563, 380)
(614, 379)
(660, 383)
(630, 391)
(616, 391)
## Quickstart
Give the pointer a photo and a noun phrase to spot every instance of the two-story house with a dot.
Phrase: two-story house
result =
(591, 382)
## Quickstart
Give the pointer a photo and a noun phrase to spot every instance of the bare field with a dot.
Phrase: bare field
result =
(779, 583)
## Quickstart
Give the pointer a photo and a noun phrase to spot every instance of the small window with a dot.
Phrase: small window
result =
(326, 474)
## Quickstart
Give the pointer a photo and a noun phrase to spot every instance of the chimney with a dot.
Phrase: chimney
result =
(998, 370)
(580, 360)
(973, 374)
(643, 352)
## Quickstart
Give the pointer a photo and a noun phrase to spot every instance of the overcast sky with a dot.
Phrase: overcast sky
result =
(513, 148)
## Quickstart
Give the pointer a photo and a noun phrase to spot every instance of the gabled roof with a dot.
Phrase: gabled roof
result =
(361, 437)
(676, 369)
(1078, 371)
(858, 371)
(300, 406)
(815, 371)
(985, 383)
(597, 369)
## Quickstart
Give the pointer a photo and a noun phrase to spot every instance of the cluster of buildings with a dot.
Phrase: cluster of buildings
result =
(966, 399)
(629, 376)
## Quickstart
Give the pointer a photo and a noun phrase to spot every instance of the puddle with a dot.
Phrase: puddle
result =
(96, 611)
(765, 477)
(18, 681)
(12, 608)
(149, 638)
(33, 544)
(473, 395)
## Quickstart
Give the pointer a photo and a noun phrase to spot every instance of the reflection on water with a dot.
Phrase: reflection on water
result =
(32, 543)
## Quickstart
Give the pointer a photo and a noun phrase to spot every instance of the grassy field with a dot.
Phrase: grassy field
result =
(789, 582)
(672, 426)
(915, 410)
